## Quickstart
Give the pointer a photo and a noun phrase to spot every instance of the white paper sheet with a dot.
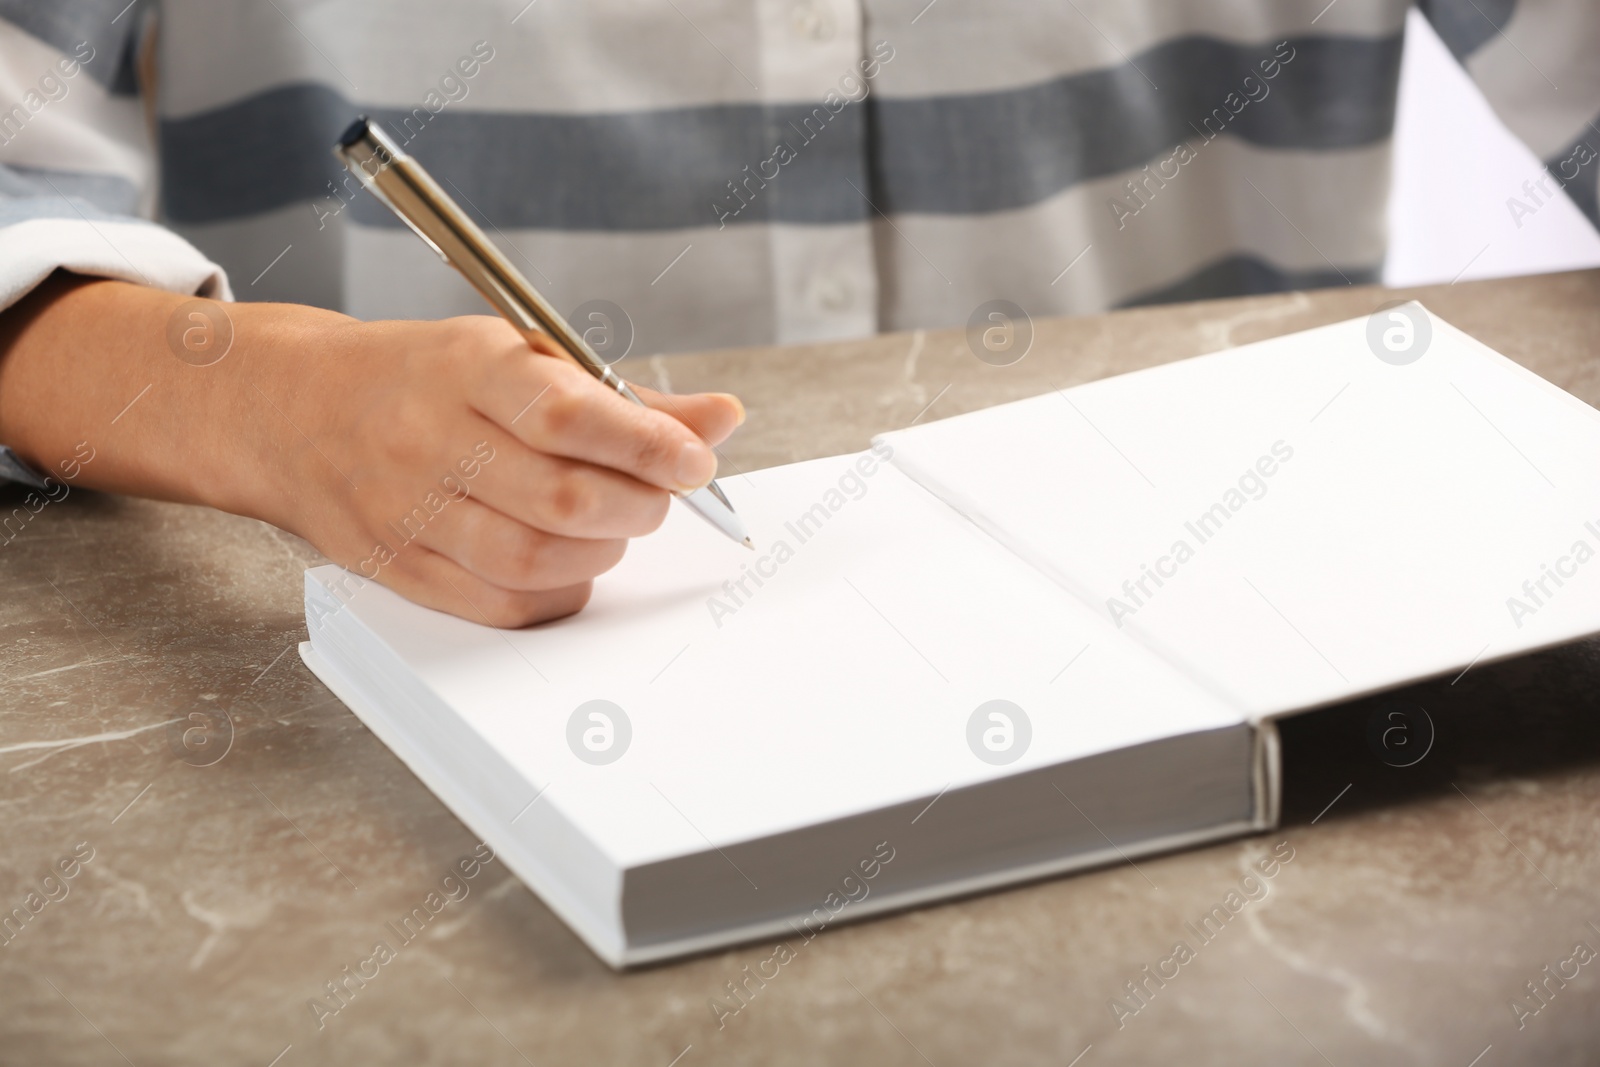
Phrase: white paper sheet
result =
(1395, 512)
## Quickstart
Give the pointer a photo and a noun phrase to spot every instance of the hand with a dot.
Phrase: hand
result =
(447, 460)
(471, 473)
(477, 475)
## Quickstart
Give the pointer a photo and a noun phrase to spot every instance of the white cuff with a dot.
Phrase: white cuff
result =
(138, 252)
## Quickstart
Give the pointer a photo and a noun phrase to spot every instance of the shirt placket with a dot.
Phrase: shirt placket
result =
(820, 243)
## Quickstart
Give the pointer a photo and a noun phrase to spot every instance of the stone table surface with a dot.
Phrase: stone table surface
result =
(222, 877)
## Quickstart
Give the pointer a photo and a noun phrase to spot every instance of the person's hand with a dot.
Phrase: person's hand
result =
(469, 472)
(447, 460)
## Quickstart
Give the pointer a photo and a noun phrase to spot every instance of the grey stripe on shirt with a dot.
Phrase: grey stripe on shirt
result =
(1466, 25)
(996, 151)
(1576, 168)
(636, 171)
(666, 169)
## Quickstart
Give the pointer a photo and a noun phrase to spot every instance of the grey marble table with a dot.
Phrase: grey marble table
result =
(189, 895)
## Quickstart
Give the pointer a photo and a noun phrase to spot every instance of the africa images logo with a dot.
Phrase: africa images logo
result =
(599, 732)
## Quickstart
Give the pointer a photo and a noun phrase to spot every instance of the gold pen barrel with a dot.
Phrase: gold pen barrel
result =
(434, 216)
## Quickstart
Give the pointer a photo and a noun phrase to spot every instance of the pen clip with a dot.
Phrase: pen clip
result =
(358, 152)
(429, 241)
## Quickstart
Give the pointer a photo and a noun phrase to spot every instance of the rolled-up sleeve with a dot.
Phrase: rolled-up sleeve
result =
(75, 165)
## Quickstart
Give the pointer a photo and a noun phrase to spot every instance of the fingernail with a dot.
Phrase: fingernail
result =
(738, 404)
(696, 465)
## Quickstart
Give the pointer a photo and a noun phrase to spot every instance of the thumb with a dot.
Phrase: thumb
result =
(712, 416)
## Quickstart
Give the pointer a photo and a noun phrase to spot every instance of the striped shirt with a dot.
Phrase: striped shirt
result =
(765, 171)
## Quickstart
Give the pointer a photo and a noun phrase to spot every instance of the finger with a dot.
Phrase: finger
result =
(554, 407)
(563, 496)
(508, 554)
(435, 581)
(712, 416)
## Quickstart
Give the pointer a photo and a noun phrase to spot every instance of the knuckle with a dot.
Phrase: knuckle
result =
(561, 408)
(513, 610)
(522, 555)
(400, 455)
(411, 412)
(571, 500)
(405, 433)
(576, 598)
(507, 609)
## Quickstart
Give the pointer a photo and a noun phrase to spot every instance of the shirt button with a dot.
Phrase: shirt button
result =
(830, 292)
(809, 19)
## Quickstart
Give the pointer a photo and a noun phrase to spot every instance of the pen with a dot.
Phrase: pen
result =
(400, 183)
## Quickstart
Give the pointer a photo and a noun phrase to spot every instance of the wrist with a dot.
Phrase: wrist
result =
(170, 394)
(256, 410)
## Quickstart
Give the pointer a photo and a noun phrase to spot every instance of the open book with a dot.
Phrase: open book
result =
(1030, 639)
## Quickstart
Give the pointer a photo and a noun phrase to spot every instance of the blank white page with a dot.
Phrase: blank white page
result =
(1404, 509)
(841, 684)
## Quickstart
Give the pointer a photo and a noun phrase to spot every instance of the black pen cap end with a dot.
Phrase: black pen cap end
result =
(354, 132)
